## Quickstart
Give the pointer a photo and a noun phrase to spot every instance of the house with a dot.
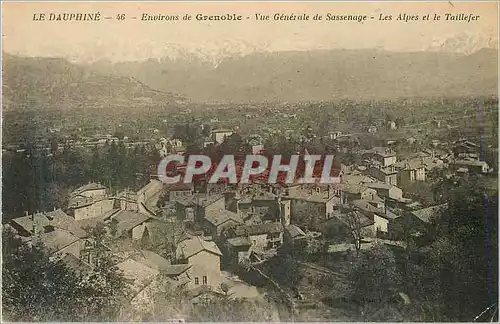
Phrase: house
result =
(90, 190)
(178, 273)
(263, 236)
(372, 129)
(204, 260)
(138, 277)
(377, 215)
(385, 174)
(256, 149)
(411, 140)
(194, 208)
(321, 205)
(83, 207)
(130, 224)
(219, 135)
(128, 201)
(383, 155)
(335, 135)
(410, 171)
(386, 190)
(270, 206)
(238, 249)
(293, 233)
(463, 149)
(208, 141)
(476, 167)
(391, 125)
(218, 188)
(60, 242)
(30, 225)
(341, 227)
(216, 221)
(177, 190)
(352, 191)
(149, 194)
(58, 232)
(416, 221)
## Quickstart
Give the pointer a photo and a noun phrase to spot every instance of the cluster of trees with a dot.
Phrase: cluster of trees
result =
(38, 287)
(454, 278)
(40, 181)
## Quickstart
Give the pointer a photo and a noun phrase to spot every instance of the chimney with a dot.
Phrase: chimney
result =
(26, 214)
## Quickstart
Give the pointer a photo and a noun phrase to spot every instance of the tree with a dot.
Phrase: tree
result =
(458, 278)
(374, 277)
(353, 219)
(38, 286)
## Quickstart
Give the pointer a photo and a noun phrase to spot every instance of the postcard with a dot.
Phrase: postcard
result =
(249, 161)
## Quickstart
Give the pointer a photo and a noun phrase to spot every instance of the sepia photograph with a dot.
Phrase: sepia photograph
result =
(246, 161)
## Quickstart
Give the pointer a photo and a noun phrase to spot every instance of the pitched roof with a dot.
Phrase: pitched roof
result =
(379, 185)
(139, 274)
(239, 241)
(87, 187)
(57, 218)
(221, 216)
(427, 214)
(127, 220)
(365, 206)
(382, 151)
(265, 228)
(156, 261)
(357, 179)
(410, 164)
(190, 247)
(92, 222)
(180, 187)
(76, 264)
(153, 184)
(294, 231)
(346, 218)
(57, 239)
(200, 199)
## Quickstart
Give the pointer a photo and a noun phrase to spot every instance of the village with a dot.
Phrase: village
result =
(198, 236)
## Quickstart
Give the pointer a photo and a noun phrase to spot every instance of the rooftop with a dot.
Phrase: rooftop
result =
(382, 151)
(127, 220)
(294, 231)
(140, 275)
(57, 240)
(195, 245)
(88, 187)
(427, 214)
(317, 197)
(156, 261)
(57, 218)
(220, 216)
(265, 228)
(239, 241)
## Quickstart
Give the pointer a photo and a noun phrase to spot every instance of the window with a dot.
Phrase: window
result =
(204, 280)
(196, 281)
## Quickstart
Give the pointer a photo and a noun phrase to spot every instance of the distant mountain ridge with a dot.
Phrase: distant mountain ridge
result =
(55, 82)
(318, 75)
(292, 76)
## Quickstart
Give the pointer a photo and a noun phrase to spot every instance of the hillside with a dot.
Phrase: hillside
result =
(318, 75)
(45, 83)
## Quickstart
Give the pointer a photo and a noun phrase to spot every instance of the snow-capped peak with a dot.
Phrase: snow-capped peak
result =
(463, 43)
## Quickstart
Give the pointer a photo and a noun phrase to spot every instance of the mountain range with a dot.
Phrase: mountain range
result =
(291, 76)
(317, 75)
(57, 83)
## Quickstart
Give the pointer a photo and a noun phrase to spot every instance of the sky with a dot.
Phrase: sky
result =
(131, 40)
